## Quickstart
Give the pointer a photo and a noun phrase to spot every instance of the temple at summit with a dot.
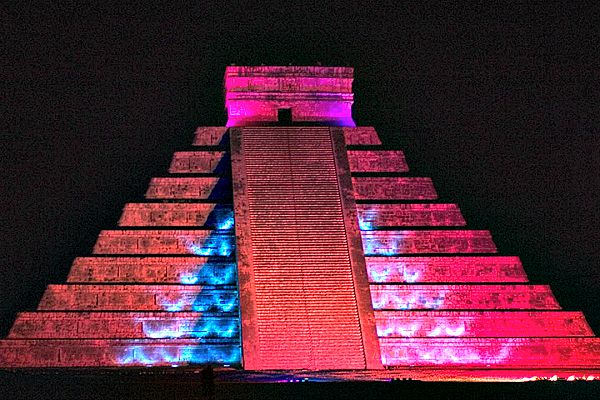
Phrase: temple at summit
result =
(291, 240)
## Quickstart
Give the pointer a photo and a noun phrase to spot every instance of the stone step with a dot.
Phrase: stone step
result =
(207, 215)
(463, 297)
(211, 136)
(184, 270)
(491, 352)
(387, 243)
(377, 161)
(445, 269)
(361, 136)
(124, 325)
(190, 242)
(481, 324)
(74, 297)
(393, 188)
(28, 353)
(373, 216)
(190, 188)
(200, 162)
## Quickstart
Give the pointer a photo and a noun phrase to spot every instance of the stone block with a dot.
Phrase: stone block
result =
(211, 136)
(184, 270)
(485, 352)
(372, 216)
(445, 269)
(393, 188)
(377, 161)
(361, 136)
(200, 162)
(198, 188)
(427, 241)
(140, 298)
(207, 215)
(481, 324)
(463, 297)
(193, 242)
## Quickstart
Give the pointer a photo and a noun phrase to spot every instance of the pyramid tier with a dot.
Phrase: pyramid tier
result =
(377, 161)
(30, 353)
(72, 297)
(188, 242)
(211, 136)
(427, 241)
(393, 188)
(427, 324)
(186, 270)
(489, 352)
(205, 215)
(200, 162)
(372, 216)
(190, 188)
(463, 297)
(124, 325)
(361, 136)
(445, 269)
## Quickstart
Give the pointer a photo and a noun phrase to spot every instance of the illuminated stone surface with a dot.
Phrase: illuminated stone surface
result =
(445, 269)
(427, 241)
(481, 324)
(393, 188)
(201, 188)
(253, 95)
(199, 162)
(211, 136)
(377, 161)
(343, 262)
(216, 216)
(373, 216)
(185, 270)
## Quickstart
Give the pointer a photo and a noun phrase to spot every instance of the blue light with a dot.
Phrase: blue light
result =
(181, 355)
(228, 222)
(214, 245)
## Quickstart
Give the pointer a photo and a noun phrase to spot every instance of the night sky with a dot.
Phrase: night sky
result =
(498, 106)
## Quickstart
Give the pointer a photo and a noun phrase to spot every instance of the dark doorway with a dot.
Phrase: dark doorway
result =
(284, 116)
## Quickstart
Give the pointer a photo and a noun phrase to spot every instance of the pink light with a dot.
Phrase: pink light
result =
(253, 95)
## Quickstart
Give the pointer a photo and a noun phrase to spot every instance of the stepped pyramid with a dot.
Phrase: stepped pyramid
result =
(291, 240)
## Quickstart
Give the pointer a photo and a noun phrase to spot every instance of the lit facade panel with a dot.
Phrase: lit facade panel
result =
(183, 270)
(205, 215)
(449, 268)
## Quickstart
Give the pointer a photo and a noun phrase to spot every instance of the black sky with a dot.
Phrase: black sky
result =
(499, 106)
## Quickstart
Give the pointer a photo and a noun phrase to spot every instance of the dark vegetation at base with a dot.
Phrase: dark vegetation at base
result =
(144, 387)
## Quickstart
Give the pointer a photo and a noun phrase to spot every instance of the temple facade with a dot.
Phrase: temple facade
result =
(290, 239)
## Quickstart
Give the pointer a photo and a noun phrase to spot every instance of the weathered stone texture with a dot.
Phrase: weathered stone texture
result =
(177, 214)
(199, 188)
(481, 324)
(383, 215)
(484, 352)
(116, 352)
(377, 161)
(427, 241)
(211, 136)
(139, 298)
(126, 325)
(199, 162)
(186, 270)
(393, 188)
(195, 242)
(463, 297)
(361, 136)
(445, 269)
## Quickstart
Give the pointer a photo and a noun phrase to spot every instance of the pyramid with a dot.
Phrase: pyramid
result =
(291, 239)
